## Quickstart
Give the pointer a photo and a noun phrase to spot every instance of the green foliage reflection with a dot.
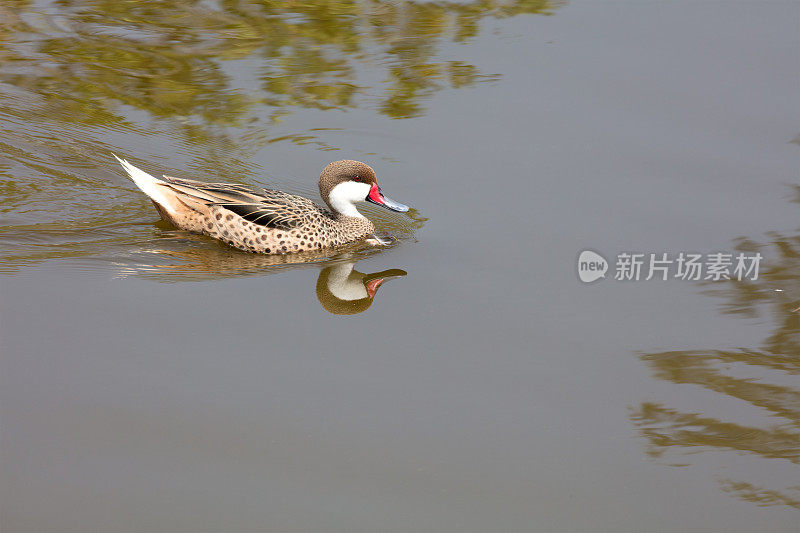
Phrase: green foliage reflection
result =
(764, 379)
(168, 57)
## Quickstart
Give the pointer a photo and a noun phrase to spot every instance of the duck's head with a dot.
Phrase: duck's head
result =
(343, 183)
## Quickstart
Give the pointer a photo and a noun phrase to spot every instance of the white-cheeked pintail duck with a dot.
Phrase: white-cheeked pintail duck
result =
(265, 220)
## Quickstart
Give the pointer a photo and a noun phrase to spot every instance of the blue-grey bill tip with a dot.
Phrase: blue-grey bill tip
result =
(394, 206)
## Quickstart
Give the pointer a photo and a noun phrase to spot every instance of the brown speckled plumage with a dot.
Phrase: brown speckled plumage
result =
(261, 220)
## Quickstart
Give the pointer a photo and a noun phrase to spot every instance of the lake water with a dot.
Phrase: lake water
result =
(154, 380)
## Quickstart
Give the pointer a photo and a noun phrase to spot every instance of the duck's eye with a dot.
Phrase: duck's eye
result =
(357, 178)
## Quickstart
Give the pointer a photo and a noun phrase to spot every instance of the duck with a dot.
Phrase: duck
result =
(270, 221)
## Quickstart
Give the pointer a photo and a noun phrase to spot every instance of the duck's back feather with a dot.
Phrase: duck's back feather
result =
(265, 207)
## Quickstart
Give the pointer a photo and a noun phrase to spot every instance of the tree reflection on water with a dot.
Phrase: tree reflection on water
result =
(757, 377)
(168, 57)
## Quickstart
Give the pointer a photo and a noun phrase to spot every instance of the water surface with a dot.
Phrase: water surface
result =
(155, 380)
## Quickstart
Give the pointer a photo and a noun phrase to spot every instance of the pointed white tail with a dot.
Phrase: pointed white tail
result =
(148, 184)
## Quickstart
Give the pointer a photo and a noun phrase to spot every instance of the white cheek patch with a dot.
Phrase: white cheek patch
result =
(343, 196)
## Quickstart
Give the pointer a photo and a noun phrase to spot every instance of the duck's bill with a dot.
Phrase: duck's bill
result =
(376, 197)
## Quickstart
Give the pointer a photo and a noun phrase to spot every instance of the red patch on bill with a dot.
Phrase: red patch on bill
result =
(375, 194)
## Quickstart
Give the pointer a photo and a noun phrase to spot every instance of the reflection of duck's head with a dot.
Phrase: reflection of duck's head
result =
(342, 290)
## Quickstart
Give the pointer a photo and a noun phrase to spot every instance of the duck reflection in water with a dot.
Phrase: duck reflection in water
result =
(341, 289)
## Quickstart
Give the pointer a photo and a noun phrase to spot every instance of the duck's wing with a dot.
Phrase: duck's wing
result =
(281, 211)
(265, 207)
(215, 192)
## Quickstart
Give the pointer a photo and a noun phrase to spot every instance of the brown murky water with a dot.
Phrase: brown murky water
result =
(155, 380)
